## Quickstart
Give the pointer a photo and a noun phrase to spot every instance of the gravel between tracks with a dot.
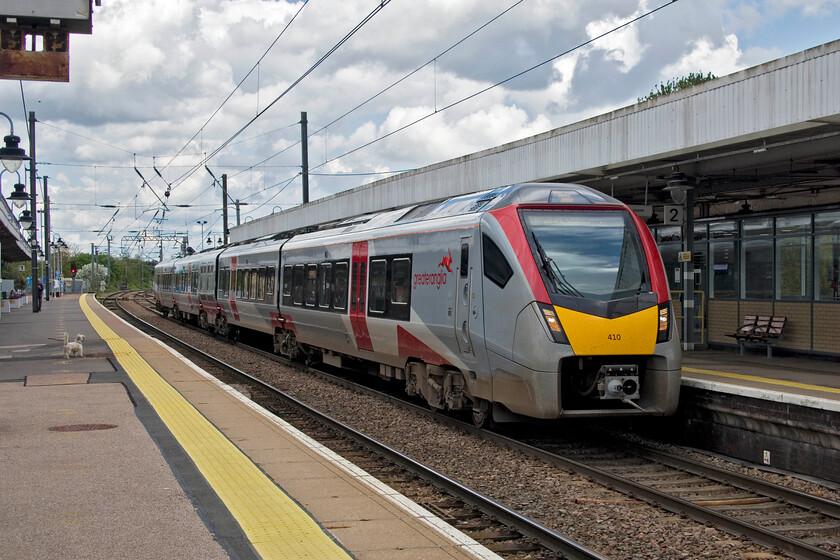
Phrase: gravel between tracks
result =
(604, 524)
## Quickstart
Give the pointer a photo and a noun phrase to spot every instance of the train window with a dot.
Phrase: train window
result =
(325, 285)
(588, 254)
(311, 284)
(259, 280)
(194, 282)
(378, 283)
(246, 283)
(400, 289)
(224, 281)
(287, 281)
(270, 273)
(240, 282)
(297, 285)
(340, 286)
(496, 267)
(465, 260)
(400, 280)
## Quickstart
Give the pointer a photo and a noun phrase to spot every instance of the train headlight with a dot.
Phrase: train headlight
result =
(553, 323)
(664, 322)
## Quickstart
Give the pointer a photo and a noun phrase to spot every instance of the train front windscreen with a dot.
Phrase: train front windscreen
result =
(590, 254)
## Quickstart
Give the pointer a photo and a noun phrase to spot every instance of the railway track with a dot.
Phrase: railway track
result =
(786, 521)
(498, 528)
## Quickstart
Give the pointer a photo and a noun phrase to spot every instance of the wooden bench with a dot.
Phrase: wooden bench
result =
(746, 328)
(764, 330)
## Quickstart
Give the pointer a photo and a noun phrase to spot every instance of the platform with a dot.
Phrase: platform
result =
(134, 452)
(804, 382)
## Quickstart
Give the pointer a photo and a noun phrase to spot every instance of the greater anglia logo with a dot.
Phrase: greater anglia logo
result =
(430, 279)
(436, 279)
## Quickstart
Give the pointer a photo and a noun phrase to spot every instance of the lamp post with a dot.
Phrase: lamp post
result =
(202, 222)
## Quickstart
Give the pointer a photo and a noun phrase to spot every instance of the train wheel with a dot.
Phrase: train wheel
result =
(202, 321)
(482, 414)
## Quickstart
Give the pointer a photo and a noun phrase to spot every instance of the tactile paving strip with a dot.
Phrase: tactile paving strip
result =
(276, 526)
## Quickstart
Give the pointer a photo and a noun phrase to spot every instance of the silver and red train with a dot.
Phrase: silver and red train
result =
(534, 300)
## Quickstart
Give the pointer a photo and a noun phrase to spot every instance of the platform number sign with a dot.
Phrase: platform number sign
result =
(673, 214)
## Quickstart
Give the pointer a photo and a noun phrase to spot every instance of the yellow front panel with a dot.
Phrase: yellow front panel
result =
(590, 335)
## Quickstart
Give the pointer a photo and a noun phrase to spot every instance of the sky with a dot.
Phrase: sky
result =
(166, 94)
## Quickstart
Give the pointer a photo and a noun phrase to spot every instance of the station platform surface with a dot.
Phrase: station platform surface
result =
(133, 452)
(809, 382)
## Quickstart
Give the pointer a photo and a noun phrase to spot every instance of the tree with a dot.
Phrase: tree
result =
(676, 84)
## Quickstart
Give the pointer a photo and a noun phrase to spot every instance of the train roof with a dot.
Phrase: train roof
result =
(567, 194)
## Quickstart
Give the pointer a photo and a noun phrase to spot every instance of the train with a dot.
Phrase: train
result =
(535, 301)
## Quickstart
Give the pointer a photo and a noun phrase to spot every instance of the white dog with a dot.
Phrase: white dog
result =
(75, 348)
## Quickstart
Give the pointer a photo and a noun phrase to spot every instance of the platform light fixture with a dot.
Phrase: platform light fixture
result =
(25, 220)
(11, 155)
(678, 186)
(19, 197)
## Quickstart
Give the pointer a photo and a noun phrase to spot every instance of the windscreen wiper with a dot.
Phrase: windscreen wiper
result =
(553, 272)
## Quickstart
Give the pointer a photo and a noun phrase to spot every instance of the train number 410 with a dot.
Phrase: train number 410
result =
(614, 336)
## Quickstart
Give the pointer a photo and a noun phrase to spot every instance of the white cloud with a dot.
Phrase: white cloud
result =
(622, 46)
(724, 58)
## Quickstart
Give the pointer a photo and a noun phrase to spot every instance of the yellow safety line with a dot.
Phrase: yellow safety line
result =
(763, 380)
(276, 526)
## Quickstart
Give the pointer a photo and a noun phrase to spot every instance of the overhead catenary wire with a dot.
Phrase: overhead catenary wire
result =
(236, 88)
(379, 7)
(497, 84)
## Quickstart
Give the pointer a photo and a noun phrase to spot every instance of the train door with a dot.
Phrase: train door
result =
(466, 305)
(358, 287)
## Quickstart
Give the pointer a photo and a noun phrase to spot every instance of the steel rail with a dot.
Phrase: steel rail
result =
(552, 540)
(766, 537)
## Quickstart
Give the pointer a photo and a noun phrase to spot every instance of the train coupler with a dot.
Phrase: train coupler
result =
(619, 382)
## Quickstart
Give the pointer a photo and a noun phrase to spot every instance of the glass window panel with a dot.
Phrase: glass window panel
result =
(400, 280)
(240, 282)
(827, 254)
(325, 285)
(287, 280)
(269, 280)
(496, 267)
(311, 284)
(723, 230)
(827, 222)
(378, 273)
(297, 284)
(669, 233)
(340, 286)
(793, 224)
(759, 226)
(261, 284)
(793, 267)
(757, 255)
(588, 254)
(723, 257)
